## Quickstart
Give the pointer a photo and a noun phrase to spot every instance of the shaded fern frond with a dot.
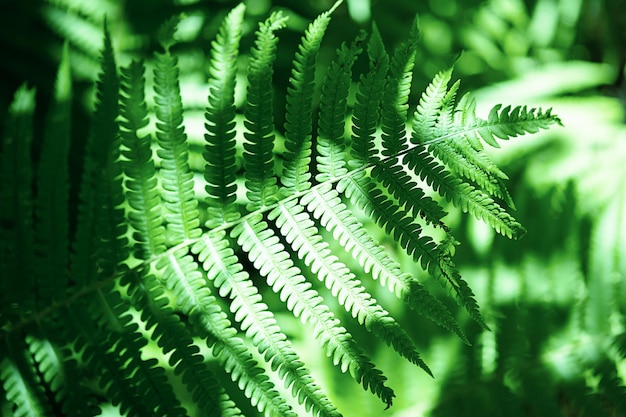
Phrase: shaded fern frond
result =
(100, 244)
(333, 106)
(143, 309)
(16, 207)
(52, 234)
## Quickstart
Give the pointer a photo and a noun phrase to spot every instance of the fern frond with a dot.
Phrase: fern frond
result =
(261, 181)
(61, 376)
(269, 257)
(181, 208)
(461, 290)
(21, 382)
(508, 122)
(101, 226)
(16, 209)
(408, 193)
(149, 296)
(395, 100)
(258, 322)
(183, 276)
(126, 369)
(457, 154)
(52, 231)
(220, 170)
(299, 121)
(333, 106)
(461, 194)
(141, 175)
(326, 206)
(430, 107)
(346, 287)
(409, 234)
(367, 106)
(301, 234)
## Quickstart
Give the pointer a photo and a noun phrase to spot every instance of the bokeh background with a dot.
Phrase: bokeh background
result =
(555, 300)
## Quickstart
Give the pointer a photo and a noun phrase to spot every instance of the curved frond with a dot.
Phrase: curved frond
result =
(299, 112)
(208, 318)
(141, 175)
(220, 169)
(21, 382)
(171, 334)
(326, 206)
(333, 106)
(270, 258)
(181, 212)
(395, 100)
(301, 234)
(261, 182)
(409, 234)
(16, 208)
(52, 203)
(367, 105)
(508, 122)
(258, 321)
(463, 195)
(100, 244)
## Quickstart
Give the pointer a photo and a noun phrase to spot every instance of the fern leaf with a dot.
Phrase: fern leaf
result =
(326, 206)
(141, 175)
(457, 154)
(429, 107)
(183, 276)
(461, 158)
(16, 209)
(270, 258)
(298, 125)
(60, 375)
(461, 290)
(508, 122)
(395, 100)
(125, 343)
(181, 212)
(401, 226)
(174, 337)
(261, 181)
(333, 106)
(259, 324)
(52, 236)
(397, 182)
(101, 226)
(21, 382)
(463, 195)
(366, 108)
(344, 285)
(220, 170)
(300, 232)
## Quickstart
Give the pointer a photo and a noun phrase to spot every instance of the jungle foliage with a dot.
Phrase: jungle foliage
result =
(209, 232)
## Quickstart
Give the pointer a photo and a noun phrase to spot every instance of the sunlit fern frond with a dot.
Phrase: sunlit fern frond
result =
(151, 289)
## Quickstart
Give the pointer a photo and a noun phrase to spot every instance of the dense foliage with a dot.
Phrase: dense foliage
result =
(191, 252)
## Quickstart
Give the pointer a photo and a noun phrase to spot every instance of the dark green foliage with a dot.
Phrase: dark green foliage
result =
(153, 299)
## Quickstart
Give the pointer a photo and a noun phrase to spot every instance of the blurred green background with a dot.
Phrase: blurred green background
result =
(555, 300)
